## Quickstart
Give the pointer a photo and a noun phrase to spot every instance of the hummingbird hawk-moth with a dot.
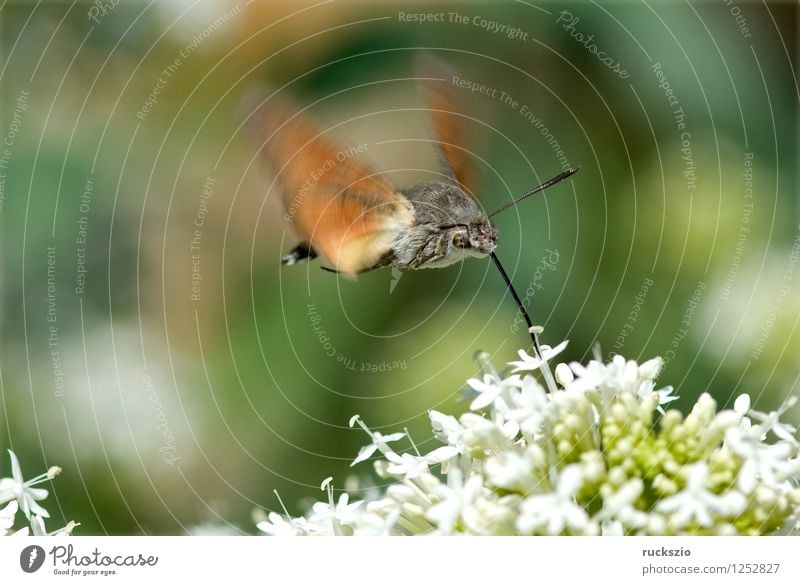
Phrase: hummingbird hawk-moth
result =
(350, 215)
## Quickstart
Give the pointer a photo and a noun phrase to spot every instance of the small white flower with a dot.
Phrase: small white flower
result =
(596, 374)
(742, 404)
(23, 491)
(455, 501)
(696, 504)
(343, 512)
(447, 429)
(612, 528)
(651, 368)
(619, 506)
(530, 363)
(529, 406)
(647, 388)
(483, 435)
(770, 463)
(614, 378)
(379, 442)
(555, 511)
(7, 515)
(741, 407)
(513, 470)
(564, 375)
(277, 525)
(38, 529)
(415, 494)
(371, 524)
(412, 466)
(406, 465)
(491, 390)
(770, 422)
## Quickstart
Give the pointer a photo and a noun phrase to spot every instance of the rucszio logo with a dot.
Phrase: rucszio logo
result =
(31, 558)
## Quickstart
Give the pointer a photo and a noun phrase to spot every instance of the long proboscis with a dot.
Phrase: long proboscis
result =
(520, 305)
(557, 179)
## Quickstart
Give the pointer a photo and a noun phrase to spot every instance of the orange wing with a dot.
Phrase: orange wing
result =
(447, 125)
(338, 202)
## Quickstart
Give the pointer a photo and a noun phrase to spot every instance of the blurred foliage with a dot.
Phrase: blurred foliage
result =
(176, 412)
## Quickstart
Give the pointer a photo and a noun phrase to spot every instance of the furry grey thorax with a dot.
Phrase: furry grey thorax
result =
(448, 227)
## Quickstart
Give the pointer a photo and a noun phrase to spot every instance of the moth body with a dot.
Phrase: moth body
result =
(448, 227)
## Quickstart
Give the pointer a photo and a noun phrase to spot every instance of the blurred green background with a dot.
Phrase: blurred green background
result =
(177, 404)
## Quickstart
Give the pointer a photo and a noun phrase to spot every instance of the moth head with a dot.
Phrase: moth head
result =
(478, 235)
(482, 236)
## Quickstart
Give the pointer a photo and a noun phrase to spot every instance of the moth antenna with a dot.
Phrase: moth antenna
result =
(531, 330)
(557, 179)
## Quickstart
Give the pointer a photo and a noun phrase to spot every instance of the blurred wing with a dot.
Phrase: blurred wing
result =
(337, 201)
(447, 125)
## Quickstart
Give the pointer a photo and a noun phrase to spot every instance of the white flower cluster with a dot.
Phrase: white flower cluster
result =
(584, 456)
(18, 495)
